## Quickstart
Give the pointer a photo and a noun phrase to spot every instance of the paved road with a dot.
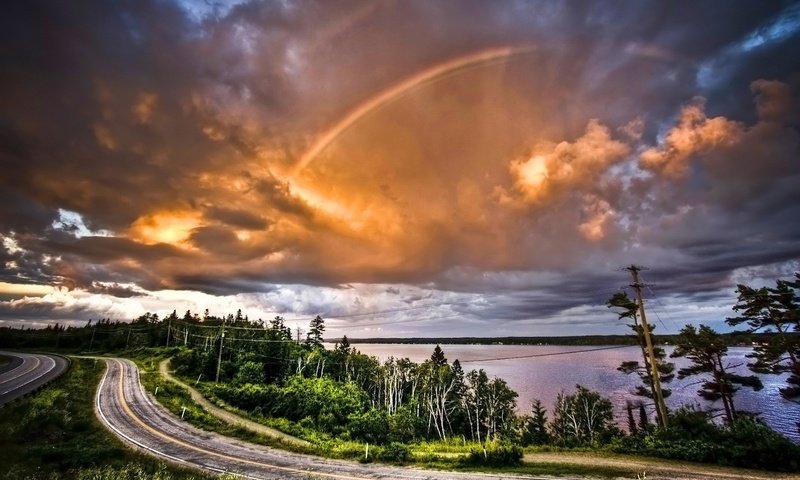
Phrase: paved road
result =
(128, 411)
(26, 372)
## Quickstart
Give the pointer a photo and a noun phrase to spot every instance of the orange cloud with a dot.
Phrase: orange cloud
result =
(694, 134)
(554, 169)
(172, 227)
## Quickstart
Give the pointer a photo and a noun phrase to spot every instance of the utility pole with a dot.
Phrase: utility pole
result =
(128, 341)
(94, 330)
(219, 357)
(661, 407)
(169, 329)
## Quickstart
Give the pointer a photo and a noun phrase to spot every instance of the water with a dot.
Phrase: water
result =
(545, 376)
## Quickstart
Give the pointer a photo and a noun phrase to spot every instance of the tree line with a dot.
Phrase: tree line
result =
(267, 369)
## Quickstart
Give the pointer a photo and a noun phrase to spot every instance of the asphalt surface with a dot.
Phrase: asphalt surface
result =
(27, 372)
(124, 407)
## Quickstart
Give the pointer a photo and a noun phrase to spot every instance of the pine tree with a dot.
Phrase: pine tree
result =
(314, 335)
(437, 357)
(632, 429)
(775, 310)
(666, 370)
(707, 349)
(343, 347)
(537, 425)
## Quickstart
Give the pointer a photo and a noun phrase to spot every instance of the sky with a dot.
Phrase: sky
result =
(402, 168)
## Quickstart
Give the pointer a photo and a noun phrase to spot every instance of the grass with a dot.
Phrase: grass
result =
(435, 455)
(54, 434)
(4, 360)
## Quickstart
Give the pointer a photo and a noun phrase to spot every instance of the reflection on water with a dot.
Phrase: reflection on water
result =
(543, 377)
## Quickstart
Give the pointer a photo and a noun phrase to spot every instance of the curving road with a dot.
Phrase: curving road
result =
(27, 372)
(124, 408)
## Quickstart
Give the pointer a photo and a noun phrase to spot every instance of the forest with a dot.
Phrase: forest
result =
(338, 394)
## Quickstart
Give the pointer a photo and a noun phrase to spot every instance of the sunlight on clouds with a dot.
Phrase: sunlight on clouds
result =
(172, 227)
(73, 223)
(144, 107)
(27, 290)
(555, 169)
(694, 134)
(11, 244)
(531, 175)
(599, 213)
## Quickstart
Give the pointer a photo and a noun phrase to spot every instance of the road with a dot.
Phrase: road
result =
(26, 372)
(124, 407)
(129, 412)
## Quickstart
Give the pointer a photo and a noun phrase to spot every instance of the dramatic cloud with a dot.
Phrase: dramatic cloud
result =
(399, 167)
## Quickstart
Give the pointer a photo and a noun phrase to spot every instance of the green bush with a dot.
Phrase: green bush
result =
(692, 436)
(371, 426)
(396, 452)
(495, 454)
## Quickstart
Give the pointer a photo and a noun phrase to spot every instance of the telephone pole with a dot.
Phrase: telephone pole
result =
(219, 357)
(661, 407)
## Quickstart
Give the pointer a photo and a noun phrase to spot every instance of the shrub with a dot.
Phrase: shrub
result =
(371, 426)
(495, 454)
(396, 452)
(692, 436)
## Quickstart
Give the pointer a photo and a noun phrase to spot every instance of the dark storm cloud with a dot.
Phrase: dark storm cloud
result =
(237, 218)
(168, 129)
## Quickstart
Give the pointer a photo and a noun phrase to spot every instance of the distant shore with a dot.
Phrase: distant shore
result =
(733, 339)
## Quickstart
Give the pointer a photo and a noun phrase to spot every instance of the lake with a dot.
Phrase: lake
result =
(544, 376)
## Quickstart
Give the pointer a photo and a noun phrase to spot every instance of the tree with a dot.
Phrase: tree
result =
(632, 428)
(777, 311)
(278, 329)
(666, 370)
(536, 427)
(582, 417)
(249, 372)
(489, 406)
(706, 349)
(343, 347)
(437, 357)
(314, 335)
(437, 390)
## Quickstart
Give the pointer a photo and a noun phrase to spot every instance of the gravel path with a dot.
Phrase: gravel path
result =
(226, 416)
(656, 468)
(124, 407)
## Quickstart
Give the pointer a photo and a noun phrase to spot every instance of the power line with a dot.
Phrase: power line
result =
(550, 354)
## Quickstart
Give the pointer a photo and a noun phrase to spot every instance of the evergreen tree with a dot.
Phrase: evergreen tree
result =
(437, 357)
(628, 309)
(343, 347)
(315, 331)
(536, 430)
(707, 349)
(632, 428)
(278, 329)
(777, 311)
(644, 419)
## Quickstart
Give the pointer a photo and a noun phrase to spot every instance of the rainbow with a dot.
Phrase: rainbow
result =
(426, 77)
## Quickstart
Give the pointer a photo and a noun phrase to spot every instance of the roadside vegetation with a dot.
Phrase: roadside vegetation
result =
(54, 434)
(434, 413)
